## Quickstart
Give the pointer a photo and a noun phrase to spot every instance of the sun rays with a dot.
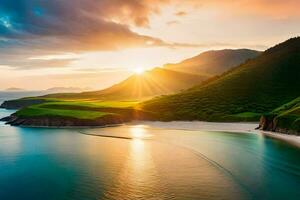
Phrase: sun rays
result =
(139, 70)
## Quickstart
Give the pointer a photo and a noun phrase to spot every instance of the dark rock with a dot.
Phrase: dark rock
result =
(5, 119)
(267, 123)
(270, 123)
(120, 116)
(64, 121)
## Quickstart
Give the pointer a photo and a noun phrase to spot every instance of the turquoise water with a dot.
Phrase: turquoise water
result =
(143, 162)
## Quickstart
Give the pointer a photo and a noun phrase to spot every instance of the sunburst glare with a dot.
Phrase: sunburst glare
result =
(139, 70)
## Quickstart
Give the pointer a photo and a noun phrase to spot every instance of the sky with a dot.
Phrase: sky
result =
(96, 43)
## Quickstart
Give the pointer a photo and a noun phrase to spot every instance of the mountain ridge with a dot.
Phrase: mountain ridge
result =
(214, 62)
(249, 90)
(157, 81)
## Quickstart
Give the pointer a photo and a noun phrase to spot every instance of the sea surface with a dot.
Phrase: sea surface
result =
(144, 162)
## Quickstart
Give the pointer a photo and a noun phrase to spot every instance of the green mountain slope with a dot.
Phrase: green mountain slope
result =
(285, 118)
(149, 84)
(255, 87)
(290, 117)
(214, 63)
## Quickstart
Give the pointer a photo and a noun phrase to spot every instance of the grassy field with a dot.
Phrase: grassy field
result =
(37, 111)
(77, 109)
(96, 104)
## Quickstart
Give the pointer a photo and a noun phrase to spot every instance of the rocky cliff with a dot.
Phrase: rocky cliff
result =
(272, 123)
(63, 121)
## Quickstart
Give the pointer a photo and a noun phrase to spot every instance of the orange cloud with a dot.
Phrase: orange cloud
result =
(57, 26)
(270, 8)
(180, 13)
(128, 11)
(30, 28)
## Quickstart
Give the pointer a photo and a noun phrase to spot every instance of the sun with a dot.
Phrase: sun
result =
(139, 70)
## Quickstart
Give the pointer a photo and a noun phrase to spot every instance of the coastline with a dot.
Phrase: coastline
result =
(293, 140)
(244, 127)
(236, 127)
(66, 127)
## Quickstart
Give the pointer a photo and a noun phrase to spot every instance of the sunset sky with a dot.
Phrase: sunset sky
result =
(95, 43)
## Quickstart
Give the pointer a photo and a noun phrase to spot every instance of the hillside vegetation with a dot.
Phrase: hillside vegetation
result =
(258, 86)
(213, 63)
(285, 118)
(289, 118)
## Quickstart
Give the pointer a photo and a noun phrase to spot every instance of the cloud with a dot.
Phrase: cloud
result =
(95, 25)
(173, 22)
(95, 80)
(180, 13)
(32, 27)
(276, 9)
(102, 69)
(77, 25)
(37, 64)
(19, 61)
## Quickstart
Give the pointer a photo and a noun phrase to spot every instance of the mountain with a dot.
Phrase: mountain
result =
(152, 83)
(16, 93)
(14, 89)
(9, 95)
(214, 63)
(244, 93)
(170, 79)
(65, 90)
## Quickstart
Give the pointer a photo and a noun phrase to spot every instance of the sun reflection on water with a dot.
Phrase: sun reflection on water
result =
(138, 177)
(139, 132)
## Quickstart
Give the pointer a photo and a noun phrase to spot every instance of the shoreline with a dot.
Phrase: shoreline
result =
(293, 140)
(235, 127)
(64, 127)
(245, 127)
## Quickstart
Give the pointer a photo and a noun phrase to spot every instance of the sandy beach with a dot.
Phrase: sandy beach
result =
(214, 126)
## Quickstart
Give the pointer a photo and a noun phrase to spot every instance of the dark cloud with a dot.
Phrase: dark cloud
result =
(77, 25)
(37, 27)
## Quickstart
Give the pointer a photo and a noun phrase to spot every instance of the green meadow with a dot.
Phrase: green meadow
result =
(77, 109)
